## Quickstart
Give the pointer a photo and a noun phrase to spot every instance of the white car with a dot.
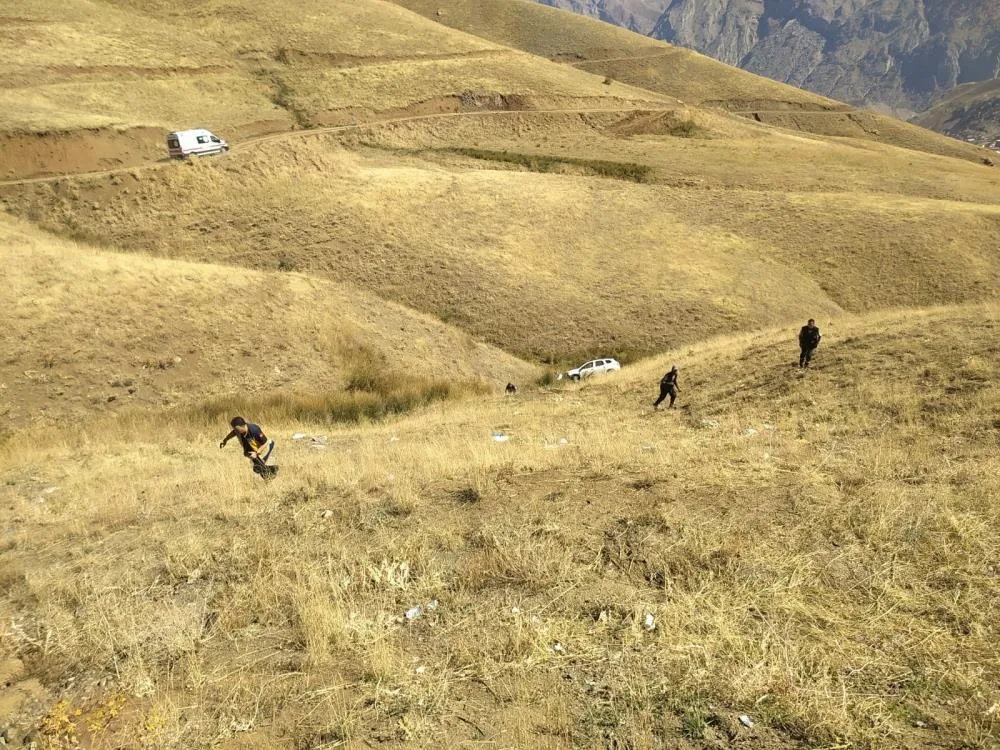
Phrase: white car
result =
(593, 367)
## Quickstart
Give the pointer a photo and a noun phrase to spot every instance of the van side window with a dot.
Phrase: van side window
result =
(202, 139)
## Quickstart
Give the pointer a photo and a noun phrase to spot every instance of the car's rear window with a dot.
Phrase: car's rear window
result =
(173, 143)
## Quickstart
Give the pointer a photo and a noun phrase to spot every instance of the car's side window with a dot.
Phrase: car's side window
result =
(202, 139)
(214, 139)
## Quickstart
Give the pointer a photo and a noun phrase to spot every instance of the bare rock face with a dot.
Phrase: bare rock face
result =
(636, 15)
(900, 56)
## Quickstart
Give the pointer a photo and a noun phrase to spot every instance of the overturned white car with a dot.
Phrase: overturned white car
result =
(593, 368)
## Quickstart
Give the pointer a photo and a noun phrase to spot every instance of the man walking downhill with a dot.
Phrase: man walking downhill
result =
(255, 445)
(809, 338)
(668, 387)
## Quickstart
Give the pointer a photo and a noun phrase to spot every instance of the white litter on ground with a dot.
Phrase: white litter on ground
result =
(746, 721)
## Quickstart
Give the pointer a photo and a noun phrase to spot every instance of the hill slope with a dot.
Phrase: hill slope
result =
(174, 334)
(970, 112)
(629, 58)
(816, 551)
(896, 56)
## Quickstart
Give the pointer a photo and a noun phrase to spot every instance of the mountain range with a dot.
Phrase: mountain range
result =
(902, 57)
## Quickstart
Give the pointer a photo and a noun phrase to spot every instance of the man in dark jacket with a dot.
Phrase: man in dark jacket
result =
(668, 387)
(255, 446)
(809, 338)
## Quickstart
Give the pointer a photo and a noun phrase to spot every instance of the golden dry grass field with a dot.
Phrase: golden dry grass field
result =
(817, 552)
(423, 202)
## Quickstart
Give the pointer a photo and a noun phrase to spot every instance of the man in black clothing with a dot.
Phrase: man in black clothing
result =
(255, 446)
(809, 338)
(668, 387)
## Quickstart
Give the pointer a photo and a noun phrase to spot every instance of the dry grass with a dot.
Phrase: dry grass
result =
(731, 232)
(832, 574)
(816, 551)
(637, 61)
(172, 333)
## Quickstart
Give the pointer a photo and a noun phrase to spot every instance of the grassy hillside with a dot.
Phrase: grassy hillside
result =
(114, 68)
(971, 110)
(816, 551)
(638, 61)
(92, 331)
(683, 225)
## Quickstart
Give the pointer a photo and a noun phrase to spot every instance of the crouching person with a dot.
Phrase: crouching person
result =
(256, 446)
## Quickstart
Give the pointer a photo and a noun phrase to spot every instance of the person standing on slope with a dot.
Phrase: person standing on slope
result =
(255, 445)
(668, 387)
(809, 338)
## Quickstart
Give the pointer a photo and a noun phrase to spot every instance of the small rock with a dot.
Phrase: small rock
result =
(499, 437)
(112, 398)
(746, 721)
(710, 424)
(299, 436)
(749, 432)
(50, 490)
(558, 648)
(420, 670)
(326, 514)
(920, 724)
(563, 441)
(177, 360)
(650, 623)
(987, 161)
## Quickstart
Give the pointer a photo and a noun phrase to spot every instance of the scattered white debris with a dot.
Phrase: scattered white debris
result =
(557, 648)
(500, 437)
(649, 448)
(920, 724)
(563, 441)
(299, 436)
(326, 514)
(650, 623)
(710, 424)
(420, 670)
(750, 432)
(236, 726)
(413, 613)
(515, 611)
(394, 439)
(768, 427)
(50, 490)
(746, 721)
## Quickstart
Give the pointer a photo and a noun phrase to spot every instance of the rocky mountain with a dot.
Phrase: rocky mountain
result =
(900, 56)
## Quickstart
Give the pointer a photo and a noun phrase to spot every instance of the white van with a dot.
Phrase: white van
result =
(185, 143)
